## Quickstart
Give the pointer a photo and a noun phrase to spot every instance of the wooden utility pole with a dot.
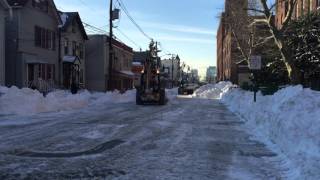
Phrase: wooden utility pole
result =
(110, 79)
(172, 69)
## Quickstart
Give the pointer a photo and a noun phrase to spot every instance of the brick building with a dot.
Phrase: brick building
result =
(302, 7)
(228, 54)
(231, 64)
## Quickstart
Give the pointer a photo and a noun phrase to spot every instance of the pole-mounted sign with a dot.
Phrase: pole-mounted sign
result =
(255, 63)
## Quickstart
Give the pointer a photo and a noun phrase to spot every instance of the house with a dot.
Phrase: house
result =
(97, 64)
(172, 68)
(139, 59)
(72, 39)
(32, 58)
(4, 6)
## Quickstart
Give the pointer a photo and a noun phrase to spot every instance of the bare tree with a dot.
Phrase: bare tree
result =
(262, 13)
(277, 33)
(247, 35)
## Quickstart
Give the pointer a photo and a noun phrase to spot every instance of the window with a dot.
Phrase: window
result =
(81, 79)
(74, 48)
(66, 47)
(44, 38)
(43, 5)
(286, 8)
(49, 71)
(74, 24)
(81, 51)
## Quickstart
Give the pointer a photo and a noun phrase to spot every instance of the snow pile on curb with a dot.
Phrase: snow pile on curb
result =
(27, 101)
(288, 120)
(213, 91)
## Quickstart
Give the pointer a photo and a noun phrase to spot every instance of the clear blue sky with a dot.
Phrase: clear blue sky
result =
(184, 27)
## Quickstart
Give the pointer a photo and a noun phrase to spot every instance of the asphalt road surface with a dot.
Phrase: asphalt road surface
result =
(186, 139)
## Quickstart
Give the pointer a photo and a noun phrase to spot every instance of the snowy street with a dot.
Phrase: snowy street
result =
(189, 138)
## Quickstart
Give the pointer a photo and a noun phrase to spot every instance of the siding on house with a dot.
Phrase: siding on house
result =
(97, 64)
(72, 41)
(22, 44)
(2, 43)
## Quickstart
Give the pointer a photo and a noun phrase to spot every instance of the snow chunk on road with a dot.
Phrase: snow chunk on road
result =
(213, 91)
(27, 101)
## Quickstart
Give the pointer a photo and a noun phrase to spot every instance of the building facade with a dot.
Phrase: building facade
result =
(139, 59)
(211, 74)
(3, 15)
(72, 39)
(228, 54)
(172, 68)
(302, 7)
(232, 65)
(97, 64)
(32, 57)
(194, 76)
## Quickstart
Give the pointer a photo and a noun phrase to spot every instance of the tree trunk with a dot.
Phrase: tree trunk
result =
(293, 71)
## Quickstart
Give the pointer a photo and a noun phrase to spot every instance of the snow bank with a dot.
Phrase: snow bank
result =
(27, 101)
(288, 120)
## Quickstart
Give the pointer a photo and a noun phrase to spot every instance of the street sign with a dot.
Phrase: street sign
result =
(255, 63)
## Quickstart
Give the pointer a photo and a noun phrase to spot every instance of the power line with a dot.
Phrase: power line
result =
(87, 25)
(128, 38)
(123, 7)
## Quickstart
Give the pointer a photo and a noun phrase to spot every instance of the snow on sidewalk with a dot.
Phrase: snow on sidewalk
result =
(27, 101)
(288, 120)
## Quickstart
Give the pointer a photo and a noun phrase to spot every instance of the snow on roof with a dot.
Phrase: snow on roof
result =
(36, 61)
(70, 59)
(64, 17)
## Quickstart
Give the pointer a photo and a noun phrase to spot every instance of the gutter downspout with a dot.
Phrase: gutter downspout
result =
(59, 57)
(9, 7)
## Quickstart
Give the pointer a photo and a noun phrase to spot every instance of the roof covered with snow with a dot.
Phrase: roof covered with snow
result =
(70, 59)
(68, 17)
(22, 3)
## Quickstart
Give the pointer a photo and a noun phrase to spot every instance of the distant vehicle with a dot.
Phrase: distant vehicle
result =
(187, 88)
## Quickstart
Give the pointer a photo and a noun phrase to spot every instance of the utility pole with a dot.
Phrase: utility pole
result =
(110, 80)
(172, 68)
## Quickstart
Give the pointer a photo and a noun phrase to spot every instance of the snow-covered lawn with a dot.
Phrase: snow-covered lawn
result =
(289, 120)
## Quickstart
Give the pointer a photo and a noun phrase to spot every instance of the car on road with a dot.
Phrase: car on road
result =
(187, 89)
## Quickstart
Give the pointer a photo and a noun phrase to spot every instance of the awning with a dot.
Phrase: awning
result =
(71, 59)
(36, 61)
(128, 74)
(137, 63)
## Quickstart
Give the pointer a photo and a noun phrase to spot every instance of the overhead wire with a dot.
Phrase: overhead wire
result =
(125, 10)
